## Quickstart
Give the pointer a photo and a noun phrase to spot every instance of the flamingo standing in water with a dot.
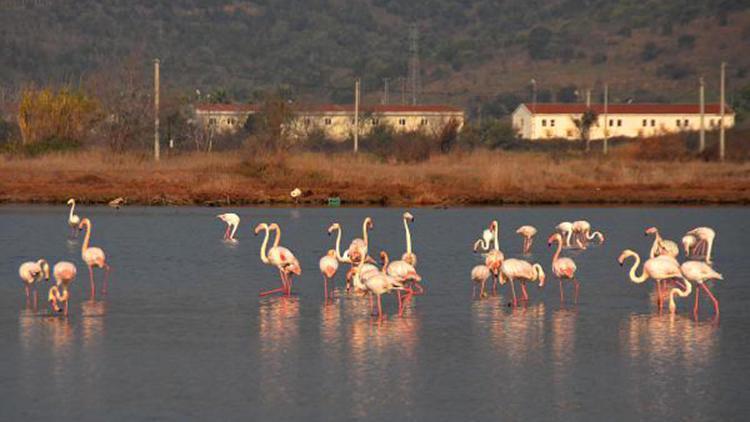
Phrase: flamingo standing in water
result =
(405, 274)
(582, 234)
(516, 269)
(660, 268)
(65, 273)
(408, 256)
(566, 231)
(661, 246)
(563, 268)
(699, 241)
(699, 272)
(493, 259)
(73, 219)
(358, 248)
(479, 275)
(328, 266)
(379, 284)
(93, 257)
(31, 274)
(527, 233)
(232, 221)
(280, 257)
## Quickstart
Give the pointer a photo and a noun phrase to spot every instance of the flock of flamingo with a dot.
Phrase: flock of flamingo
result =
(365, 278)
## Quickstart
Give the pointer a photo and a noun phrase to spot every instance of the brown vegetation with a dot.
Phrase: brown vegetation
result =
(477, 177)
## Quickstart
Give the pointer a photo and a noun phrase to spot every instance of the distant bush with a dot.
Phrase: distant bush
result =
(674, 71)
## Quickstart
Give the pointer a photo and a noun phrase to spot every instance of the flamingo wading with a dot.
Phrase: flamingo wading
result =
(93, 257)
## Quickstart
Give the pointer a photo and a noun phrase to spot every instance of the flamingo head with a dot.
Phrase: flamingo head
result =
(44, 265)
(331, 253)
(52, 297)
(541, 275)
(408, 216)
(384, 257)
(651, 230)
(409, 258)
(273, 226)
(624, 255)
(260, 227)
(493, 226)
(556, 237)
(368, 223)
(71, 201)
(84, 222)
(688, 242)
(334, 226)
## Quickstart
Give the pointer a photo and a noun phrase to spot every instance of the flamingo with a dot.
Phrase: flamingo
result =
(379, 284)
(660, 268)
(566, 231)
(517, 269)
(699, 272)
(703, 242)
(404, 273)
(117, 202)
(93, 257)
(328, 266)
(485, 242)
(73, 219)
(64, 272)
(358, 248)
(408, 256)
(479, 275)
(661, 246)
(527, 233)
(563, 268)
(493, 259)
(232, 221)
(280, 257)
(32, 273)
(583, 235)
(687, 288)
(295, 194)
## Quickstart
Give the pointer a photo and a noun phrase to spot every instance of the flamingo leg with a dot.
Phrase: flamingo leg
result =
(272, 291)
(562, 295)
(400, 302)
(528, 247)
(380, 307)
(372, 305)
(575, 281)
(658, 294)
(481, 292)
(695, 307)
(494, 285)
(66, 307)
(91, 280)
(525, 293)
(226, 233)
(325, 288)
(513, 289)
(713, 298)
(27, 292)
(35, 299)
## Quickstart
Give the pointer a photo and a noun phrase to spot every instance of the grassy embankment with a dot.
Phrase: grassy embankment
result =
(478, 177)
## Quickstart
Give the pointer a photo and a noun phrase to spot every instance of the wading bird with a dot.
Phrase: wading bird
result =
(408, 256)
(699, 272)
(564, 268)
(280, 257)
(32, 273)
(661, 268)
(93, 257)
(479, 275)
(404, 273)
(73, 219)
(493, 259)
(566, 231)
(661, 246)
(582, 234)
(701, 244)
(379, 284)
(527, 233)
(357, 251)
(65, 273)
(517, 269)
(328, 267)
(295, 194)
(232, 221)
(117, 203)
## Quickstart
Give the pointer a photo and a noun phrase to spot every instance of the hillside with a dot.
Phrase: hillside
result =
(470, 51)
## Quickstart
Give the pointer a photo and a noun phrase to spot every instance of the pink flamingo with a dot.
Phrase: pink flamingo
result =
(563, 268)
(699, 272)
(660, 268)
(93, 257)
(479, 275)
(661, 247)
(65, 273)
(583, 235)
(701, 240)
(358, 248)
(280, 257)
(73, 219)
(493, 259)
(405, 274)
(31, 274)
(527, 233)
(379, 284)
(408, 256)
(566, 231)
(232, 221)
(328, 267)
(516, 269)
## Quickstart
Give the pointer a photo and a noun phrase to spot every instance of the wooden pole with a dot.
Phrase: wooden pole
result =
(156, 109)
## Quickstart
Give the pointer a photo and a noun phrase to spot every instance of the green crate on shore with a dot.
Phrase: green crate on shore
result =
(334, 201)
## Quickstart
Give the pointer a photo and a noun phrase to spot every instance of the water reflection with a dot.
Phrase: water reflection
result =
(563, 353)
(279, 331)
(92, 321)
(516, 332)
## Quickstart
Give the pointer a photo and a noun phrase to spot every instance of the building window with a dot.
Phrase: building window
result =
(375, 122)
(678, 122)
(544, 122)
(611, 122)
(619, 122)
(212, 121)
(230, 121)
(686, 123)
(645, 123)
(552, 122)
(307, 121)
(653, 123)
(327, 120)
(402, 122)
(423, 122)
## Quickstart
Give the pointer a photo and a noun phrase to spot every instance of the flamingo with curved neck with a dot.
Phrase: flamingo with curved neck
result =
(73, 219)
(563, 268)
(32, 273)
(408, 256)
(660, 268)
(358, 248)
(93, 257)
(661, 246)
(278, 256)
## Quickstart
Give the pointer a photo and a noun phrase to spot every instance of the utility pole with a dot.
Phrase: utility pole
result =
(356, 115)
(722, 147)
(702, 146)
(588, 99)
(156, 109)
(606, 118)
(385, 90)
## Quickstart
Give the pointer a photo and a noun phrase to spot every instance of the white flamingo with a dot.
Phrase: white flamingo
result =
(280, 257)
(93, 257)
(380, 284)
(405, 274)
(661, 246)
(523, 271)
(527, 233)
(661, 268)
(583, 235)
(65, 273)
(493, 259)
(73, 219)
(409, 255)
(699, 272)
(358, 248)
(32, 273)
(232, 221)
(566, 231)
(702, 244)
(328, 265)
(479, 275)
(563, 268)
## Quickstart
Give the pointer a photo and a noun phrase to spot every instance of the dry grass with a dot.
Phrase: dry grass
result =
(479, 177)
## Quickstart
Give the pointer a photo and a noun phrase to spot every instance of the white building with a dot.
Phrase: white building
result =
(337, 121)
(549, 121)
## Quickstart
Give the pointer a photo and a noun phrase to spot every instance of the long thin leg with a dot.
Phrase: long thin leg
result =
(494, 285)
(562, 295)
(575, 281)
(695, 307)
(35, 299)
(658, 294)
(713, 298)
(710, 245)
(325, 288)
(372, 305)
(531, 242)
(523, 290)
(474, 290)
(380, 307)
(27, 292)
(513, 289)
(66, 306)
(272, 291)
(481, 293)
(91, 280)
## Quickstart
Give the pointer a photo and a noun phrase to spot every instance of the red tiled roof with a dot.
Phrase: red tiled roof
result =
(331, 108)
(227, 107)
(575, 108)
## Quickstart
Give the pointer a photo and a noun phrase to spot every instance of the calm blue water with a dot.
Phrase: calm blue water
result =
(182, 334)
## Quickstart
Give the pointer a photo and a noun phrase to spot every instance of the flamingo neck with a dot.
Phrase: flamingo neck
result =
(385, 262)
(568, 235)
(277, 239)
(408, 236)
(364, 232)
(655, 246)
(234, 230)
(557, 252)
(86, 238)
(338, 246)
(594, 235)
(537, 270)
(680, 292)
(263, 256)
(497, 236)
(72, 208)
(635, 278)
